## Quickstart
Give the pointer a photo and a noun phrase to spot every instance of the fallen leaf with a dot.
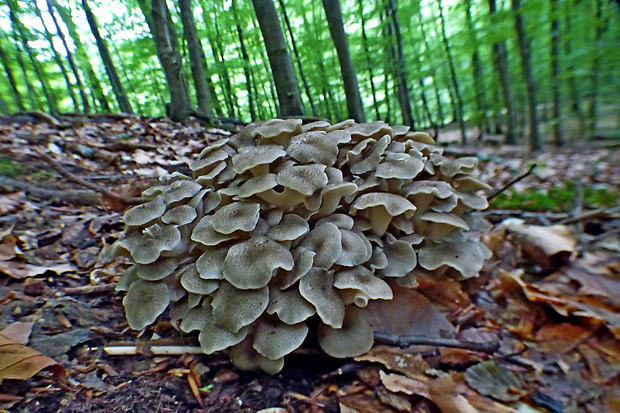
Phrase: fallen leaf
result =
(399, 383)
(20, 362)
(443, 393)
(18, 332)
(16, 269)
(492, 379)
(396, 359)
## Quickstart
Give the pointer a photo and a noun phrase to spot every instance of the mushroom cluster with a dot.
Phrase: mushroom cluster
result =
(284, 222)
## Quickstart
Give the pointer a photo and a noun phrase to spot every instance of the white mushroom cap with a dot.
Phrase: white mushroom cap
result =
(305, 179)
(144, 302)
(354, 338)
(289, 305)
(275, 339)
(466, 257)
(250, 264)
(290, 228)
(180, 215)
(326, 241)
(252, 156)
(234, 308)
(237, 216)
(362, 279)
(145, 213)
(382, 207)
(193, 283)
(205, 234)
(318, 288)
(245, 357)
(147, 245)
(157, 270)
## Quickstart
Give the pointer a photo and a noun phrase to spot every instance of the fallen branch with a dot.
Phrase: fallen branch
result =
(155, 350)
(89, 289)
(70, 196)
(405, 341)
(598, 213)
(511, 183)
(90, 185)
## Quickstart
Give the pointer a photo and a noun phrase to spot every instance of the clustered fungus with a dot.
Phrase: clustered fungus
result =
(283, 222)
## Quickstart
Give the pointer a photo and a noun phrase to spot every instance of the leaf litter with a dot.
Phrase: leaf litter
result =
(549, 297)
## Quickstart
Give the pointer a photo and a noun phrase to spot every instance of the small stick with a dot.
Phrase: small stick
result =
(405, 341)
(89, 289)
(90, 185)
(156, 350)
(511, 183)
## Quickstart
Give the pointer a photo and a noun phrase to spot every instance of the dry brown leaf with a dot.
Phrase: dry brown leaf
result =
(399, 383)
(443, 393)
(20, 362)
(16, 269)
(396, 359)
(18, 332)
(8, 244)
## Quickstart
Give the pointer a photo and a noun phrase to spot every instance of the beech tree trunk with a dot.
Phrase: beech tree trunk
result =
(478, 75)
(556, 125)
(247, 71)
(530, 82)
(17, 97)
(355, 107)
(300, 67)
(196, 57)
(108, 64)
(500, 62)
(70, 59)
(371, 76)
(279, 59)
(170, 61)
(455, 84)
(399, 66)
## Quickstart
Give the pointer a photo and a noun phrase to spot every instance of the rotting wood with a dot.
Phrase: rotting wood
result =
(77, 197)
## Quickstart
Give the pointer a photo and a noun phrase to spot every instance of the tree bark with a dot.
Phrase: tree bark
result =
(83, 59)
(453, 77)
(371, 76)
(170, 61)
(19, 29)
(530, 82)
(500, 61)
(594, 72)
(246, 62)
(57, 58)
(279, 59)
(556, 126)
(196, 57)
(110, 69)
(72, 65)
(300, 67)
(355, 107)
(17, 97)
(399, 65)
(478, 75)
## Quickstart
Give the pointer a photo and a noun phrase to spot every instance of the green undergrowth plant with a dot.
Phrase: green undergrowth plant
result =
(557, 198)
(8, 168)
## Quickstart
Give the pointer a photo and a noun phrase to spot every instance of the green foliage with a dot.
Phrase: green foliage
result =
(556, 198)
(8, 168)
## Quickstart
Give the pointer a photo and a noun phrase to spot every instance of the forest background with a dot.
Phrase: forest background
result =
(545, 69)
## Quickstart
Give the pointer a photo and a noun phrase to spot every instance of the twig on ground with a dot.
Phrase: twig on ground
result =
(604, 235)
(89, 289)
(598, 213)
(70, 196)
(514, 181)
(90, 185)
(405, 341)
(156, 350)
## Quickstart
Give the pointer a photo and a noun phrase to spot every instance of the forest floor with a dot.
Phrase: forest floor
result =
(550, 296)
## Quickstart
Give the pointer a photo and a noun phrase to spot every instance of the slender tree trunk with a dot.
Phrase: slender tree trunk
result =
(115, 82)
(556, 128)
(17, 97)
(500, 61)
(594, 72)
(355, 107)
(530, 82)
(478, 75)
(453, 78)
(4, 109)
(399, 65)
(170, 61)
(279, 58)
(246, 62)
(83, 58)
(196, 57)
(41, 75)
(70, 59)
(574, 95)
(57, 58)
(300, 67)
(33, 96)
(371, 76)
(427, 54)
